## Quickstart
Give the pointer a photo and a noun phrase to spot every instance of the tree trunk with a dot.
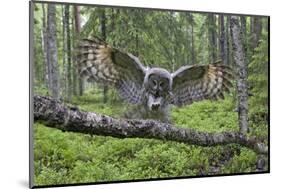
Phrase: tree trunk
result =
(223, 47)
(103, 33)
(45, 49)
(256, 31)
(172, 37)
(228, 42)
(212, 38)
(52, 49)
(64, 54)
(191, 21)
(77, 31)
(242, 87)
(68, 52)
(74, 68)
(244, 34)
(56, 114)
(114, 15)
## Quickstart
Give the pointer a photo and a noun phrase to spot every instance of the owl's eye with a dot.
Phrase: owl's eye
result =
(162, 84)
(154, 82)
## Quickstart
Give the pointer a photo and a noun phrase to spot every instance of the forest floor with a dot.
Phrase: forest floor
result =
(65, 157)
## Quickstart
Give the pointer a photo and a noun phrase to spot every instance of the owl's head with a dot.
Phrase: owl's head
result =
(158, 85)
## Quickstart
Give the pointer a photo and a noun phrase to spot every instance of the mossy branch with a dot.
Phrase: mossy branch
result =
(54, 113)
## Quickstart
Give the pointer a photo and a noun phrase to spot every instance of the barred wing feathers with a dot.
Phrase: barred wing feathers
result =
(102, 63)
(199, 82)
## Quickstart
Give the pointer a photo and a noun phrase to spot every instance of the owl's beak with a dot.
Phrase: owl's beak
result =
(154, 103)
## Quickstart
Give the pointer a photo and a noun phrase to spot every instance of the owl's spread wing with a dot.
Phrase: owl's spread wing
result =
(198, 82)
(100, 62)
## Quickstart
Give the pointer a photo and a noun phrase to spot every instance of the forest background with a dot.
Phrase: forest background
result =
(167, 39)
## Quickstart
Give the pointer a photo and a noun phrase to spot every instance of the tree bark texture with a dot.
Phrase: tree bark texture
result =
(68, 52)
(228, 41)
(52, 50)
(191, 19)
(58, 115)
(244, 30)
(212, 38)
(64, 56)
(75, 75)
(244, 37)
(44, 48)
(103, 34)
(242, 87)
(77, 20)
(223, 47)
(256, 31)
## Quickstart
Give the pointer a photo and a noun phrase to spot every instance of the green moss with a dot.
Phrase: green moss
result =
(244, 162)
(215, 116)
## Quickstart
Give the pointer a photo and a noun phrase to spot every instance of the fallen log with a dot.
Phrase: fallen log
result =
(56, 114)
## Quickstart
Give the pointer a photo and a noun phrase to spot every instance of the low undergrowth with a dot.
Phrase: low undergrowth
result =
(65, 157)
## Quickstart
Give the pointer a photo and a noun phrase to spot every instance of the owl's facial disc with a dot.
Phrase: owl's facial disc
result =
(157, 89)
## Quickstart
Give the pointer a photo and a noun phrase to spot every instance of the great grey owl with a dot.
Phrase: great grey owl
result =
(152, 90)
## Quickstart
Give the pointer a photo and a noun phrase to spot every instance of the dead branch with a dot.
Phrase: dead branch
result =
(56, 114)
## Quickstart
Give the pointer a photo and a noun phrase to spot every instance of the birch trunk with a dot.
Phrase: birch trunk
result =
(242, 87)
